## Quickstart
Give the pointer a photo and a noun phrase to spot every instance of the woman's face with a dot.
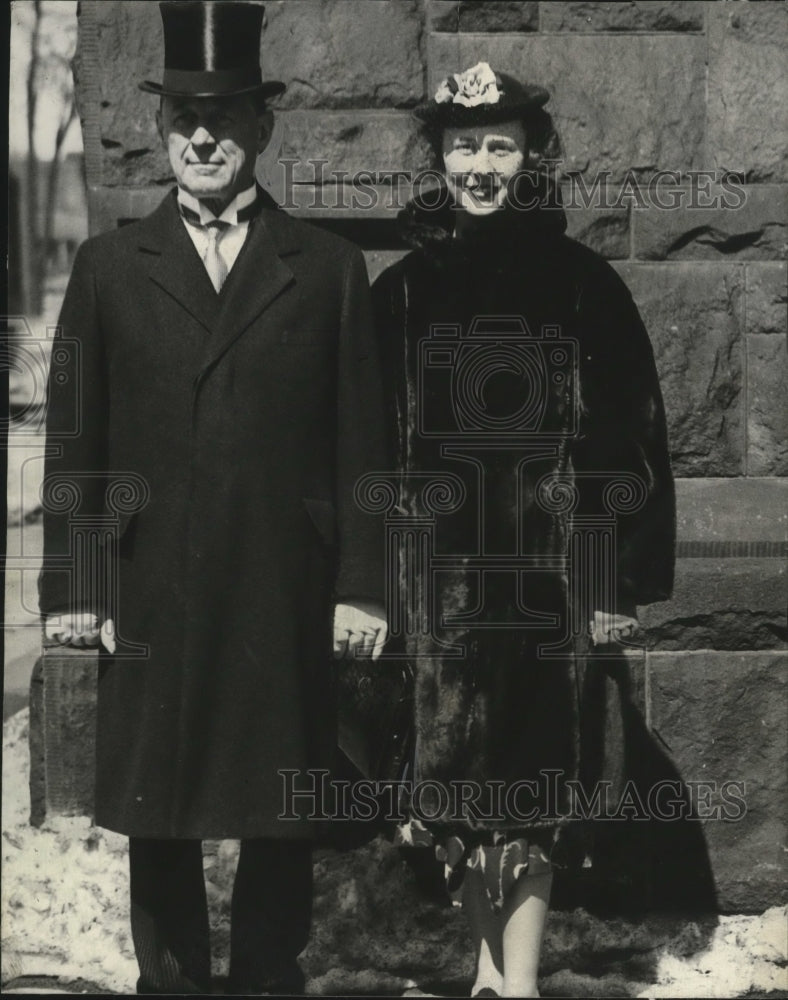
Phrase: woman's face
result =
(480, 161)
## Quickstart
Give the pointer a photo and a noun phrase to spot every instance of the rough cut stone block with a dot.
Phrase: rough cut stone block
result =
(619, 103)
(352, 141)
(642, 15)
(365, 208)
(345, 53)
(716, 511)
(63, 734)
(37, 780)
(748, 82)
(731, 603)
(694, 318)
(722, 715)
(755, 228)
(483, 15)
(767, 413)
(110, 207)
(130, 49)
(605, 230)
(767, 298)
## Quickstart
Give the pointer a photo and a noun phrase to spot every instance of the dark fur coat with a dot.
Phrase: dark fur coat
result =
(519, 373)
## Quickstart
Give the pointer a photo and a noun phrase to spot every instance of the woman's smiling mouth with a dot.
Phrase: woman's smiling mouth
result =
(483, 187)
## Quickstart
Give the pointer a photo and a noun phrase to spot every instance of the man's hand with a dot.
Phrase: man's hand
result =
(80, 630)
(359, 629)
(607, 628)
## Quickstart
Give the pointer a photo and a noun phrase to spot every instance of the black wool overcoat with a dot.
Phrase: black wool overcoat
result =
(239, 423)
(536, 427)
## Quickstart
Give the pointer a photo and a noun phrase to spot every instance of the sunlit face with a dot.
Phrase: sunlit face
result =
(479, 163)
(213, 143)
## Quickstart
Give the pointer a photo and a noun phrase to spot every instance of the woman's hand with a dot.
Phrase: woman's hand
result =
(359, 629)
(607, 628)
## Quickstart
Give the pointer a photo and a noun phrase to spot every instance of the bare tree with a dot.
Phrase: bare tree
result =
(67, 116)
(37, 264)
(50, 96)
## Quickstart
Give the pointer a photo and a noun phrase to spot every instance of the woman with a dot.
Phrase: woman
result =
(522, 382)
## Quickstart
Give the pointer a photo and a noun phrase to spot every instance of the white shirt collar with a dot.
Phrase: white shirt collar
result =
(230, 214)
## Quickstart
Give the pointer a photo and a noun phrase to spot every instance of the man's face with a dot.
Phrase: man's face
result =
(213, 143)
(479, 162)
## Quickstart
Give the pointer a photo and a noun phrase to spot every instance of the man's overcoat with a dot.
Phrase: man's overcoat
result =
(239, 422)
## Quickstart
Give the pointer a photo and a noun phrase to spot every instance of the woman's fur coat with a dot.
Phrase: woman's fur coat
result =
(521, 376)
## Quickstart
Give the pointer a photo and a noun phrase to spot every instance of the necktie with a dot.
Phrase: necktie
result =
(214, 262)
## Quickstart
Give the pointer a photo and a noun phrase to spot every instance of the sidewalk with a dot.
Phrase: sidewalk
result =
(65, 924)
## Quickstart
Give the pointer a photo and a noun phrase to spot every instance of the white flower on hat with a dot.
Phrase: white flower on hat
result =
(475, 86)
(444, 93)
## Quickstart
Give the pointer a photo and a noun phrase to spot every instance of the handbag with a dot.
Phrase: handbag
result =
(375, 725)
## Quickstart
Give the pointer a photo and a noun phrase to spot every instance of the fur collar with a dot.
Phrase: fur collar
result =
(431, 230)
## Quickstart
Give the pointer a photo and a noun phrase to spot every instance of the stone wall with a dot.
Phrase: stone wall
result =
(637, 88)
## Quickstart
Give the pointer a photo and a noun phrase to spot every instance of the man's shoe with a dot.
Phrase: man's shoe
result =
(284, 982)
(186, 988)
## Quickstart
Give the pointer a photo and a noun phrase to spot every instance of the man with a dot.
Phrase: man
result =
(225, 369)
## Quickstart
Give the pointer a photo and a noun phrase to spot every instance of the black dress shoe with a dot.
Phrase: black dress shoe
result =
(285, 982)
(185, 988)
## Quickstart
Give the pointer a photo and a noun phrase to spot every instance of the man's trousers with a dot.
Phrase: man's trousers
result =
(270, 916)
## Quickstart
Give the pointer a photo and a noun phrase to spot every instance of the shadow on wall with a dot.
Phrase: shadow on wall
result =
(640, 865)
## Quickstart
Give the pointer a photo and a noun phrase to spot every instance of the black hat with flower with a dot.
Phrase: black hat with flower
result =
(479, 96)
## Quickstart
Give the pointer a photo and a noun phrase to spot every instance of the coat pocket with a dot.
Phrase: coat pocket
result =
(324, 517)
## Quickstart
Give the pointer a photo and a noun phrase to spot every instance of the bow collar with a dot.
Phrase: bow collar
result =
(242, 208)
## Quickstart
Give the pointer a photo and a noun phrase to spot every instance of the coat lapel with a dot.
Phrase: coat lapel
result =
(258, 276)
(175, 265)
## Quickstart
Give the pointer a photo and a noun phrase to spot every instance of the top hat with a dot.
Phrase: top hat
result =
(212, 50)
(479, 96)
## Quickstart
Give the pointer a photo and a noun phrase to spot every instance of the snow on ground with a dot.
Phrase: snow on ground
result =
(746, 953)
(64, 888)
(65, 906)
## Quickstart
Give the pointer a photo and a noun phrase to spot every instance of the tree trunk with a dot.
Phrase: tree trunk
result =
(35, 304)
(54, 173)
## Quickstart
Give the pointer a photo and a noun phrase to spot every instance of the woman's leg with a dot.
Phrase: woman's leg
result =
(485, 926)
(523, 920)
